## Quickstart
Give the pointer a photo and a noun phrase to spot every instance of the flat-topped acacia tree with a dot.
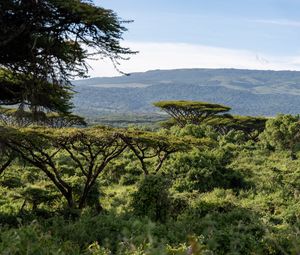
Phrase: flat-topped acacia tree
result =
(88, 150)
(251, 126)
(152, 149)
(191, 112)
(57, 120)
(20, 118)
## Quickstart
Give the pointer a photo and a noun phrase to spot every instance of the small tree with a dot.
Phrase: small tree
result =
(191, 112)
(152, 198)
(91, 151)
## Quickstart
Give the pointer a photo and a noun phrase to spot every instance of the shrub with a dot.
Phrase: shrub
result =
(152, 198)
(282, 133)
(31, 240)
(203, 171)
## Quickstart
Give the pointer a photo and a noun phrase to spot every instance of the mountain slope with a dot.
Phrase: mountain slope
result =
(248, 92)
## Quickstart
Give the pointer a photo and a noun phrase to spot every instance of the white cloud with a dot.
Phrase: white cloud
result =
(280, 22)
(178, 55)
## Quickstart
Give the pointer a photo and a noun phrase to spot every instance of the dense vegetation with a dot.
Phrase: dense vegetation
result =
(188, 189)
(203, 181)
(247, 92)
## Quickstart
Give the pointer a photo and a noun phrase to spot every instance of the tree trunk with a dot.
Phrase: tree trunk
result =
(5, 165)
(69, 197)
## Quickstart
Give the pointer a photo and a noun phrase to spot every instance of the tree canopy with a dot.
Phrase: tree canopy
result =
(50, 38)
(32, 94)
(45, 43)
(89, 151)
(249, 125)
(191, 112)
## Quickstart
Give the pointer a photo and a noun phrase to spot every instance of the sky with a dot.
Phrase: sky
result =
(171, 34)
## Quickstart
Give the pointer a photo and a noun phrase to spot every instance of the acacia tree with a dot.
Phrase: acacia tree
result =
(191, 112)
(88, 150)
(249, 125)
(21, 118)
(64, 120)
(152, 149)
(13, 117)
(45, 43)
(91, 151)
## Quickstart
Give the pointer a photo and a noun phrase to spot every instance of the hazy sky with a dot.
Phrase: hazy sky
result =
(254, 34)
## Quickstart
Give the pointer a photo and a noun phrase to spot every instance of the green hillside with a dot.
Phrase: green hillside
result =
(248, 92)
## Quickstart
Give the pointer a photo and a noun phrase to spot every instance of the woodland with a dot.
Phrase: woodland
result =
(203, 181)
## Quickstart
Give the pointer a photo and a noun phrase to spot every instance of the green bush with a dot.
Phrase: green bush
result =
(282, 133)
(227, 228)
(203, 171)
(152, 198)
(32, 240)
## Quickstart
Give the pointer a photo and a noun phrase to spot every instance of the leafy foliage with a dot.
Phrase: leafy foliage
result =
(152, 198)
(44, 44)
(49, 38)
(250, 126)
(283, 133)
(204, 171)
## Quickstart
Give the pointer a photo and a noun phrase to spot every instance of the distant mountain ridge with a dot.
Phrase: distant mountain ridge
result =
(248, 92)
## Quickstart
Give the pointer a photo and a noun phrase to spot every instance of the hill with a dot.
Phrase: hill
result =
(248, 92)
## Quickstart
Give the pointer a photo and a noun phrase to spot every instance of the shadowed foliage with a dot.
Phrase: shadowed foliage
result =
(282, 133)
(251, 126)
